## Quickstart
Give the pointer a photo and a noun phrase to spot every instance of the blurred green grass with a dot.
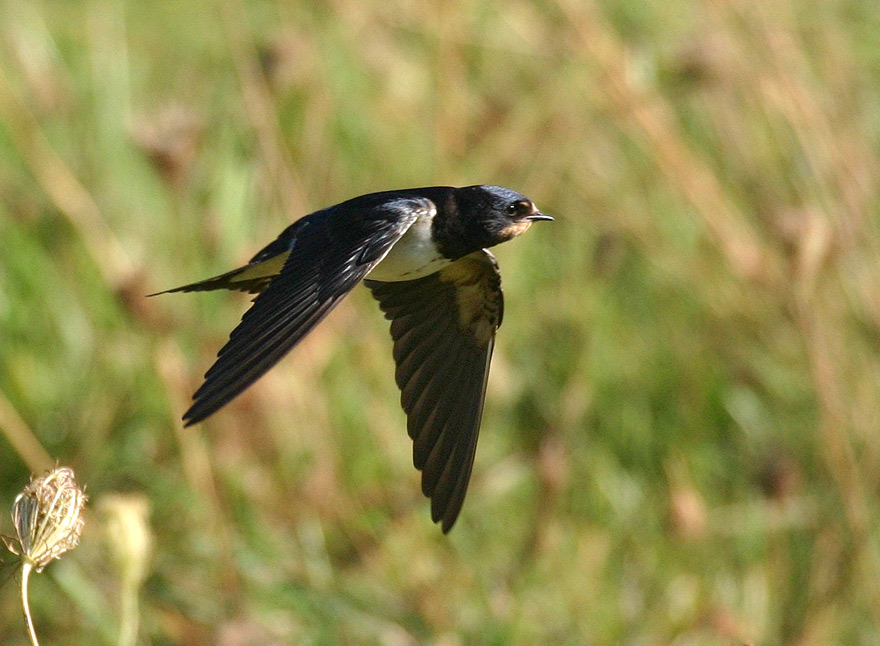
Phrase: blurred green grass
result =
(680, 442)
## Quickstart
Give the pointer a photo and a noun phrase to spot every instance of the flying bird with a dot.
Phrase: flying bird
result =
(422, 252)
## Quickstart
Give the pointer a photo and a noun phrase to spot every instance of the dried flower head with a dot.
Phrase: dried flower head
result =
(47, 517)
(126, 520)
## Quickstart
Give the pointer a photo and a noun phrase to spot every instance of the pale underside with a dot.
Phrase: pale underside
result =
(411, 257)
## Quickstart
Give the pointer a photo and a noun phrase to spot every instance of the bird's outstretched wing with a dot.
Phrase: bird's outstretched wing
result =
(324, 256)
(443, 326)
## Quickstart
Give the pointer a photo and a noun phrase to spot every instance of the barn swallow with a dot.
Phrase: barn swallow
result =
(423, 254)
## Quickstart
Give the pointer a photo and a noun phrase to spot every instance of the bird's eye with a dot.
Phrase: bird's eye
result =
(518, 208)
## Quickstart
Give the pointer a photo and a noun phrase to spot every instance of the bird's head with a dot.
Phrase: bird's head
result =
(494, 214)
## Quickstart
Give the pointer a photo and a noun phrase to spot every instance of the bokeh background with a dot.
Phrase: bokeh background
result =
(681, 442)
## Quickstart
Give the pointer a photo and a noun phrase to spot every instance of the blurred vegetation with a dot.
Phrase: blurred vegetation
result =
(681, 442)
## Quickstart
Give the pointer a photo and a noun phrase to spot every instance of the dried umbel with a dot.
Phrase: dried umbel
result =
(48, 522)
(48, 518)
(126, 522)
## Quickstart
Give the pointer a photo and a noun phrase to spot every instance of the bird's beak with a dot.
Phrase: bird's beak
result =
(539, 216)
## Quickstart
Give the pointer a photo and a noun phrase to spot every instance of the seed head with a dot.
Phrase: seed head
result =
(48, 518)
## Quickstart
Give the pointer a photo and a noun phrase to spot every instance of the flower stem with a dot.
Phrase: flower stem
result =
(28, 622)
(128, 625)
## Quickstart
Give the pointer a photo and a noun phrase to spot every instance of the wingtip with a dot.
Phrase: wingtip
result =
(169, 291)
(446, 516)
(193, 416)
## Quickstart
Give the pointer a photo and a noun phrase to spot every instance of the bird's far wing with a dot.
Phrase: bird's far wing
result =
(252, 278)
(443, 326)
(329, 253)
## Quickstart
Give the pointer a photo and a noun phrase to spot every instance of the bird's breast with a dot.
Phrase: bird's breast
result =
(413, 256)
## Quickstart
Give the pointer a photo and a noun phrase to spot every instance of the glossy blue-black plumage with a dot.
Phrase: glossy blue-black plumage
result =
(443, 324)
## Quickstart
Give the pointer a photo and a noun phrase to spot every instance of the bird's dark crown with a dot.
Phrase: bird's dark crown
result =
(481, 216)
